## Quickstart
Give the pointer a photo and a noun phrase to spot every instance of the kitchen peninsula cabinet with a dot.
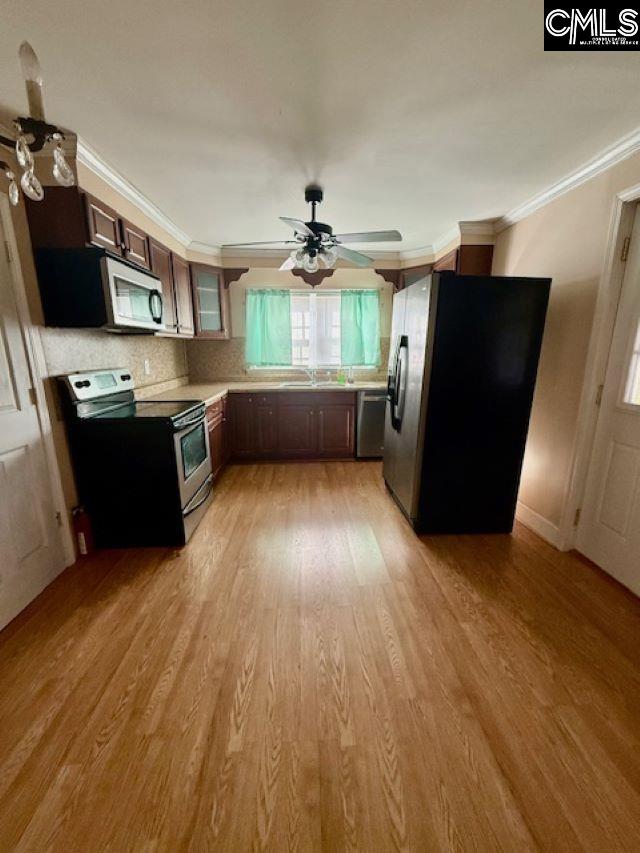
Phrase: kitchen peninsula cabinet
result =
(293, 425)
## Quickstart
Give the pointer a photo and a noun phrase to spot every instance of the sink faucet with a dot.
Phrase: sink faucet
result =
(311, 373)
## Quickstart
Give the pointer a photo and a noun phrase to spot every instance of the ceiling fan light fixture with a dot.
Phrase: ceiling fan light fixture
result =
(310, 263)
(329, 256)
(317, 242)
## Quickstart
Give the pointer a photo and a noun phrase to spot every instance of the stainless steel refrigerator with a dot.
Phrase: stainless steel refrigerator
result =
(463, 360)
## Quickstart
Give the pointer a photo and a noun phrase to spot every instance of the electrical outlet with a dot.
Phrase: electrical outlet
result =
(147, 367)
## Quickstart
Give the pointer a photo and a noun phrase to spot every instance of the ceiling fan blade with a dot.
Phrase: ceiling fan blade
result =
(369, 237)
(289, 264)
(268, 243)
(298, 225)
(356, 258)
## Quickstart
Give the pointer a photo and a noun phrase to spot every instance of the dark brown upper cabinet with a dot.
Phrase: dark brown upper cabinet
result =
(176, 289)
(161, 264)
(103, 225)
(184, 305)
(410, 275)
(210, 301)
(136, 244)
(468, 259)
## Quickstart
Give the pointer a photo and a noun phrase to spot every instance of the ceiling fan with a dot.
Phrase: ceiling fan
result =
(316, 243)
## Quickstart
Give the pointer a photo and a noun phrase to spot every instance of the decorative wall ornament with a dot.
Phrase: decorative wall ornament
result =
(312, 278)
(231, 274)
(392, 276)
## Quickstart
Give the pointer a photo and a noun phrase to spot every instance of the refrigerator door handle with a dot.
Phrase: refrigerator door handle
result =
(399, 383)
(391, 379)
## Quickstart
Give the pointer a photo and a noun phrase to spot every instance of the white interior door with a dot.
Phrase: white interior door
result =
(31, 552)
(609, 529)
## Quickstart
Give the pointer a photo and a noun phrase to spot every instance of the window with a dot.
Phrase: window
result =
(315, 329)
(632, 389)
(311, 329)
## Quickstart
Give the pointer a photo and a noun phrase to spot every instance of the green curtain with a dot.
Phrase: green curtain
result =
(268, 341)
(360, 328)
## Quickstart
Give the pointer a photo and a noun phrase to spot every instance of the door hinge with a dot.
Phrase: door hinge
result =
(32, 397)
(576, 518)
(59, 519)
(599, 395)
(7, 251)
(625, 249)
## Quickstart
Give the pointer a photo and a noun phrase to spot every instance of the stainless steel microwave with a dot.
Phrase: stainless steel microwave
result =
(87, 287)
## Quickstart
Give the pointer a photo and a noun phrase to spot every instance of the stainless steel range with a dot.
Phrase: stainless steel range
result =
(143, 468)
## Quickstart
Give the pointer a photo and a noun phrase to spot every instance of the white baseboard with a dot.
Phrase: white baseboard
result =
(540, 525)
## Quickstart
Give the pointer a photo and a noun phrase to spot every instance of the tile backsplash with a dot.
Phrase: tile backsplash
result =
(68, 350)
(210, 361)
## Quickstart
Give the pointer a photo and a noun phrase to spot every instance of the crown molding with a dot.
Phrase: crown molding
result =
(90, 158)
(481, 232)
(463, 232)
(411, 254)
(206, 248)
(625, 147)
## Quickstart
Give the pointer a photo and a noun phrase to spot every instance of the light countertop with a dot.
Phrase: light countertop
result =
(209, 392)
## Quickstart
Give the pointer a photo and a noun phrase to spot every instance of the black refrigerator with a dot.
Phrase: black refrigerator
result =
(463, 360)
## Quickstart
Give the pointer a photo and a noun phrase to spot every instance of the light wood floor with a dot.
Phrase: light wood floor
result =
(308, 675)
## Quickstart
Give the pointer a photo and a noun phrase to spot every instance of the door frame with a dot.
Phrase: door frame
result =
(608, 298)
(37, 372)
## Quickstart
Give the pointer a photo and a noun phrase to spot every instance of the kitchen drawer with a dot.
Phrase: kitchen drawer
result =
(258, 399)
(317, 398)
(214, 409)
(215, 420)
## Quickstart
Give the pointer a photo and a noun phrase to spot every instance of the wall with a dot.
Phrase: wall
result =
(66, 350)
(213, 360)
(566, 240)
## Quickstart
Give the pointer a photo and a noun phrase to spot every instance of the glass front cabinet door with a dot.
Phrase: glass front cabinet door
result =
(210, 300)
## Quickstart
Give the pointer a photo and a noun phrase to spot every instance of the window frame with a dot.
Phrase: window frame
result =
(302, 369)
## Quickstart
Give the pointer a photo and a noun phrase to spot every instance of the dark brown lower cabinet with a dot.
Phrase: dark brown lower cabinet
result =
(296, 429)
(217, 428)
(336, 432)
(293, 425)
(243, 430)
(266, 429)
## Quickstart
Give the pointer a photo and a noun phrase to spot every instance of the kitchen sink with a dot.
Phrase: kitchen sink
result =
(308, 384)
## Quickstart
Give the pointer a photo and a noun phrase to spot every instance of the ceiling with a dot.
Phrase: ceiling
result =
(412, 115)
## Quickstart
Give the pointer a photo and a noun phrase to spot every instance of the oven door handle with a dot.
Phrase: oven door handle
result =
(189, 509)
(187, 424)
